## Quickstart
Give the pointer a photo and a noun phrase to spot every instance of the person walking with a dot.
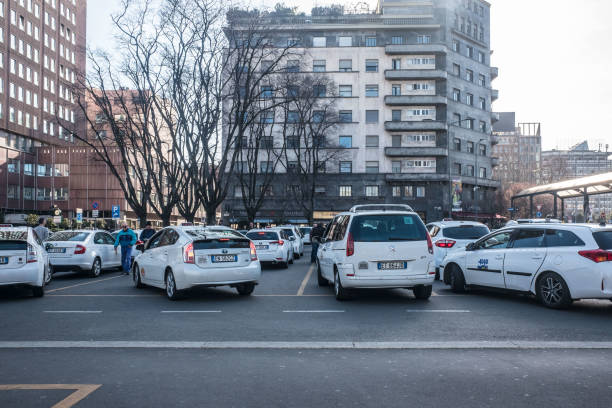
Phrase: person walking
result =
(126, 238)
(147, 232)
(41, 230)
(315, 237)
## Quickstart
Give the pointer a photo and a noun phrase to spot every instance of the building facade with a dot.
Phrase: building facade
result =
(415, 80)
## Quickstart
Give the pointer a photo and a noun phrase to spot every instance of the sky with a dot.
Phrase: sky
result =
(553, 56)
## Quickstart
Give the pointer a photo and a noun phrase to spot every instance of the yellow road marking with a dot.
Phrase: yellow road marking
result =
(300, 291)
(83, 284)
(81, 391)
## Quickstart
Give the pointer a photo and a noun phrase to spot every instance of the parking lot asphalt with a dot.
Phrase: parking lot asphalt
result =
(293, 344)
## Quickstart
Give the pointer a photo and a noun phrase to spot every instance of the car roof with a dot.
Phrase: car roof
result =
(456, 223)
(264, 230)
(378, 212)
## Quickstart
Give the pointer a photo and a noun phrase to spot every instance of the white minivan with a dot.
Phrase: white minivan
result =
(376, 246)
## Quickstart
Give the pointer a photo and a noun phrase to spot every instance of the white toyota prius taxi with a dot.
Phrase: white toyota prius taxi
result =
(558, 263)
(179, 258)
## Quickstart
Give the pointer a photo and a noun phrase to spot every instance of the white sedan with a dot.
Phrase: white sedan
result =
(179, 258)
(23, 260)
(273, 245)
(558, 263)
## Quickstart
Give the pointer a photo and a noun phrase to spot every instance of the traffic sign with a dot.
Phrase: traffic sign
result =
(539, 207)
(539, 214)
(79, 215)
(94, 213)
(510, 209)
(115, 212)
(57, 219)
(95, 205)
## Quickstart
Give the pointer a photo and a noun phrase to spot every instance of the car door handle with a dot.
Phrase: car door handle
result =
(499, 257)
(537, 257)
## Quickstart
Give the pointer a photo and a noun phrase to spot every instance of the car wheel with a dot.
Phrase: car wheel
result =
(171, 291)
(296, 256)
(339, 291)
(38, 291)
(48, 274)
(136, 277)
(245, 289)
(552, 291)
(422, 292)
(320, 279)
(457, 280)
(96, 268)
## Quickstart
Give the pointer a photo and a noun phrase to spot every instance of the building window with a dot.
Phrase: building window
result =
(28, 169)
(266, 92)
(469, 123)
(345, 41)
(319, 42)
(371, 141)
(61, 194)
(469, 75)
(371, 91)
(345, 65)
(456, 70)
(470, 147)
(292, 167)
(456, 46)
(396, 90)
(423, 39)
(456, 95)
(370, 41)
(345, 142)
(345, 191)
(469, 170)
(293, 142)
(371, 65)
(396, 166)
(293, 42)
(318, 66)
(293, 117)
(13, 166)
(371, 116)
(457, 168)
(371, 191)
(482, 173)
(482, 149)
(420, 192)
(238, 192)
(345, 116)
(28, 193)
(345, 91)
(408, 191)
(346, 167)
(12, 192)
(293, 66)
(482, 103)
(43, 194)
(469, 99)
(396, 191)
(469, 51)
(396, 140)
(396, 115)
(482, 81)
(481, 57)
(266, 166)
(483, 127)
(457, 144)
(319, 91)
(397, 40)
(371, 167)
(396, 64)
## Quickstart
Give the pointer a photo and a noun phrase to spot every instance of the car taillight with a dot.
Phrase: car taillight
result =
(188, 254)
(350, 245)
(279, 242)
(597, 255)
(79, 250)
(429, 244)
(139, 242)
(445, 243)
(253, 252)
(31, 254)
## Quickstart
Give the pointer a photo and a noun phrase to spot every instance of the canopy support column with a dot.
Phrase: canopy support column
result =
(530, 206)
(554, 205)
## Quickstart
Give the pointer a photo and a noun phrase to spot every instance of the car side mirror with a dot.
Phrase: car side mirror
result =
(323, 240)
(140, 247)
(470, 246)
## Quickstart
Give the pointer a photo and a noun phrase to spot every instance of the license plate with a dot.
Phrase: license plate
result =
(56, 250)
(224, 258)
(392, 265)
(262, 247)
(3, 260)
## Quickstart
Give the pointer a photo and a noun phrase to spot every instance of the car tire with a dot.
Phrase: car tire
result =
(136, 277)
(422, 292)
(38, 291)
(171, 291)
(96, 268)
(245, 289)
(457, 280)
(552, 291)
(339, 291)
(321, 281)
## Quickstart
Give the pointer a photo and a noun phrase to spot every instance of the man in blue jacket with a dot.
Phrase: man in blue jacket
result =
(126, 238)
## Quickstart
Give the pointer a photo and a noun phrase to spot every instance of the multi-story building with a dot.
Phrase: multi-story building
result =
(579, 161)
(518, 149)
(414, 79)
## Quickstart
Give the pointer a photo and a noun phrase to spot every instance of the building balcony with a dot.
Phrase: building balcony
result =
(494, 140)
(406, 100)
(494, 94)
(494, 161)
(404, 177)
(418, 49)
(415, 125)
(417, 151)
(494, 72)
(400, 74)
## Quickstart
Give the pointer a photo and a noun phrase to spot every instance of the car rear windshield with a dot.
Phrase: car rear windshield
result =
(221, 243)
(13, 236)
(69, 236)
(466, 232)
(289, 231)
(263, 236)
(305, 230)
(392, 227)
(603, 239)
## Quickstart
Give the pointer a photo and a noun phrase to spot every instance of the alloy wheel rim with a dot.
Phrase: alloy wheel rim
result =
(97, 268)
(552, 290)
(170, 285)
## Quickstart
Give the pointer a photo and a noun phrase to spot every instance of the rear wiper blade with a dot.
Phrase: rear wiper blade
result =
(403, 239)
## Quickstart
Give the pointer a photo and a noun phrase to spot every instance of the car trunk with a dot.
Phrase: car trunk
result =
(222, 252)
(13, 254)
(61, 249)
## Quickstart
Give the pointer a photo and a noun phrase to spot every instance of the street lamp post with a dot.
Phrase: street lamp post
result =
(477, 152)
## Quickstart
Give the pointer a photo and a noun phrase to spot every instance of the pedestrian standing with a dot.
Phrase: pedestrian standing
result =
(41, 230)
(126, 238)
(315, 237)
(147, 232)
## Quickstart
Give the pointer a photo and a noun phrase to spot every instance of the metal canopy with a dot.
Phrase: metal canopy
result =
(592, 185)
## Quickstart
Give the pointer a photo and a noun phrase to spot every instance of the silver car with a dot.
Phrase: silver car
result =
(88, 251)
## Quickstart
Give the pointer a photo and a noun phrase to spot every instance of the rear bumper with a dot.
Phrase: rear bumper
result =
(192, 275)
(377, 283)
(29, 274)
(70, 264)
(271, 256)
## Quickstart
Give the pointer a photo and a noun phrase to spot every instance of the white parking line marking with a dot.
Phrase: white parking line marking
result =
(313, 311)
(437, 311)
(72, 311)
(300, 291)
(83, 284)
(316, 345)
(190, 311)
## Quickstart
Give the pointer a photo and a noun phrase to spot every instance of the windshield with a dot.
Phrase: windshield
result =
(466, 232)
(69, 236)
(392, 227)
(603, 239)
(263, 236)
(289, 231)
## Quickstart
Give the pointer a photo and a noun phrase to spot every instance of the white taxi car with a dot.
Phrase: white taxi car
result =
(558, 263)
(448, 236)
(90, 251)
(23, 260)
(295, 236)
(387, 247)
(179, 258)
(273, 245)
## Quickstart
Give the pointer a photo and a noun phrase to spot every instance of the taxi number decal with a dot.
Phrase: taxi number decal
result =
(483, 263)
